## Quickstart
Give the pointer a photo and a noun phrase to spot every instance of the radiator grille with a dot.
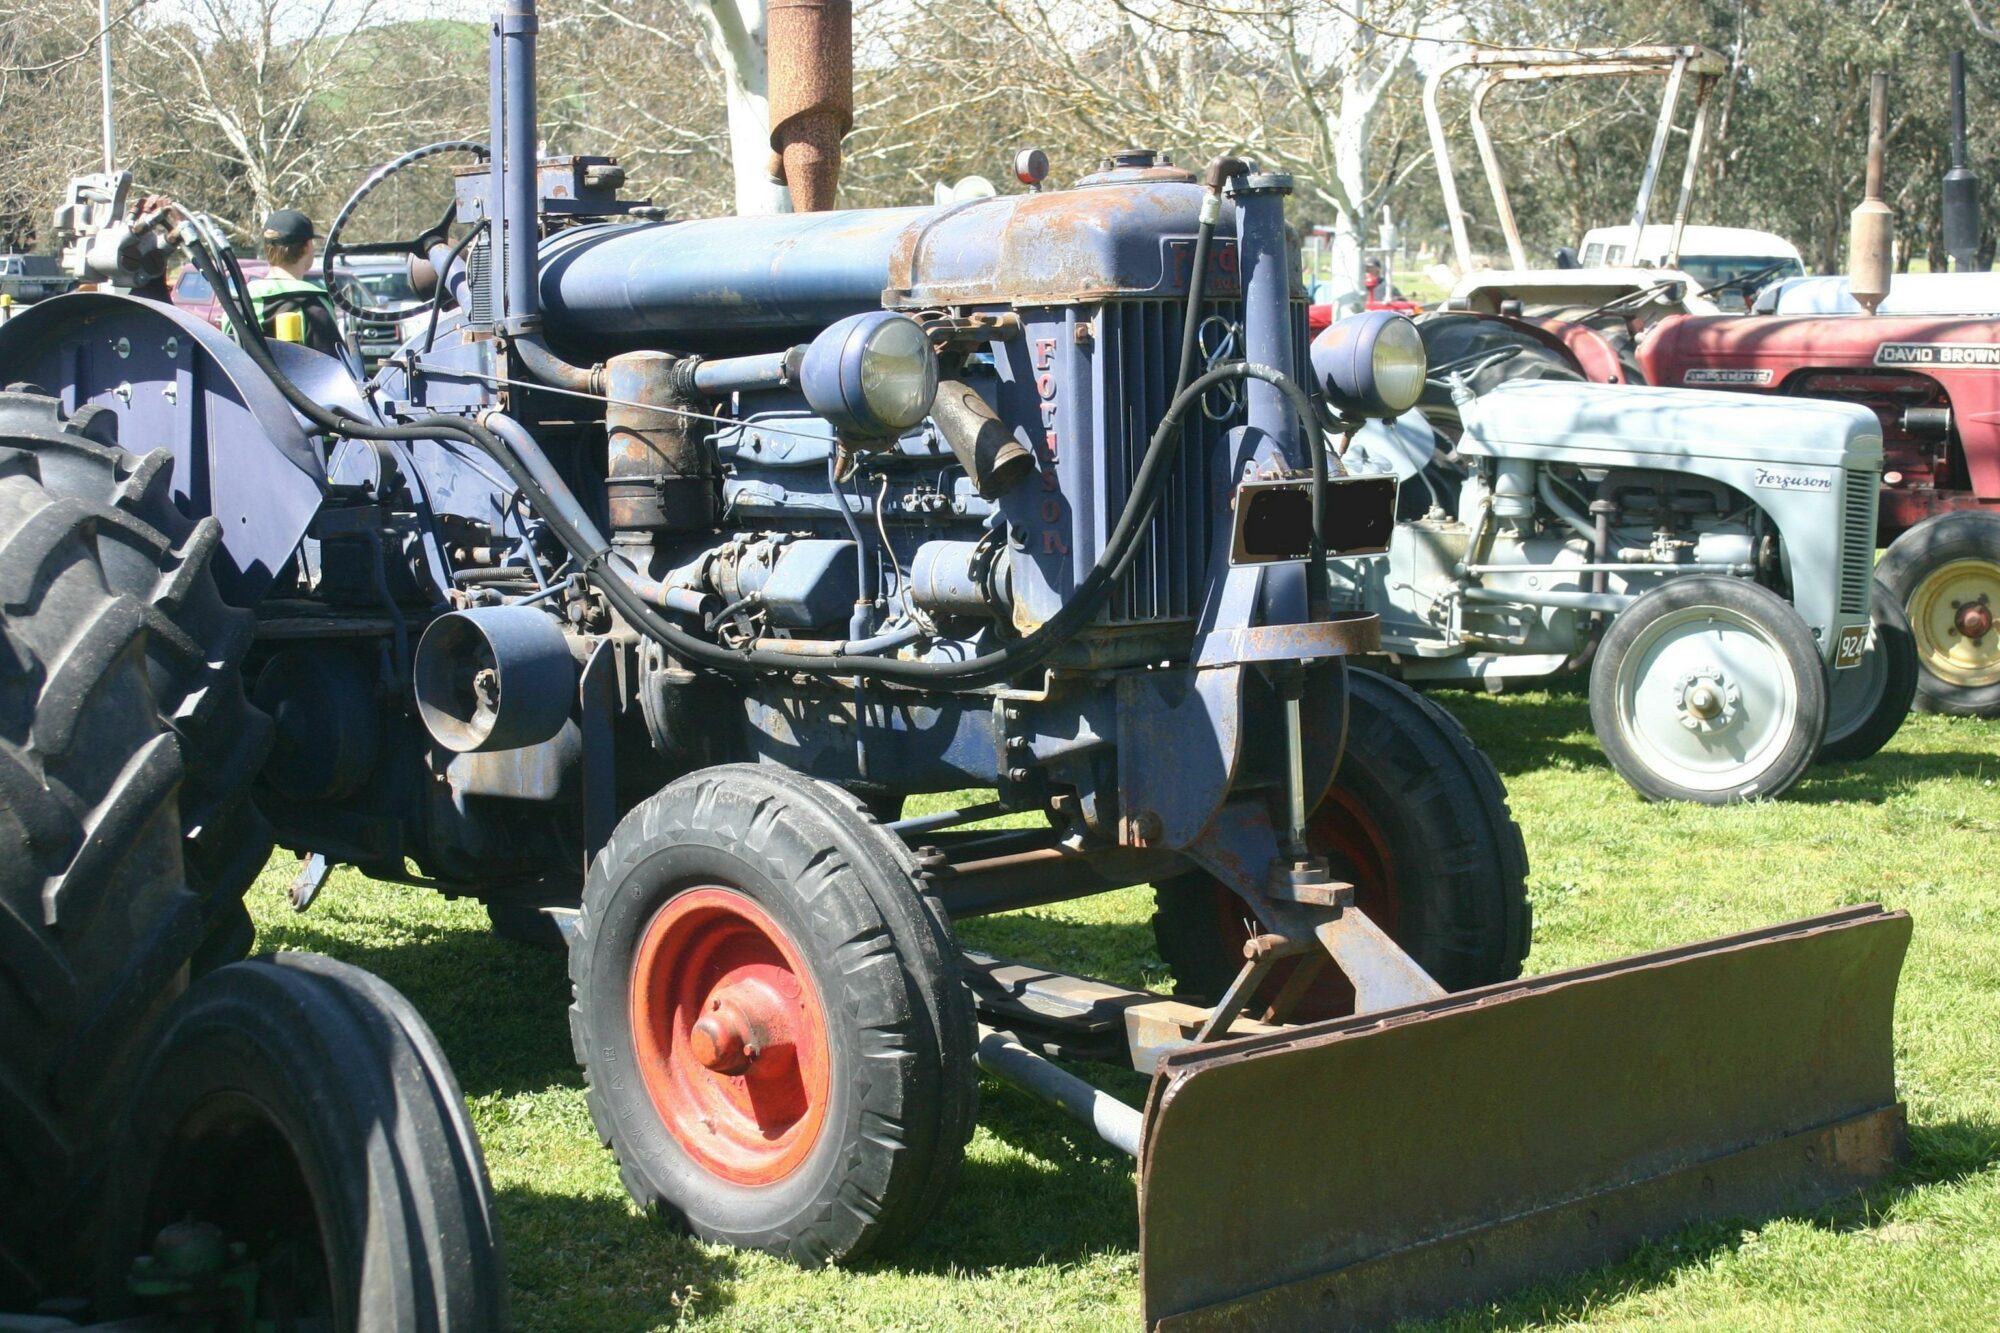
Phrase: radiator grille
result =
(1136, 364)
(1857, 541)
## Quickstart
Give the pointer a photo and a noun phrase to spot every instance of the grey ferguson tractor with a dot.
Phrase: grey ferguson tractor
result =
(640, 593)
(1708, 562)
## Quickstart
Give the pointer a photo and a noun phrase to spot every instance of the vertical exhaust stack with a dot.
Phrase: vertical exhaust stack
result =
(1869, 236)
(811, 62)
(1961, 186)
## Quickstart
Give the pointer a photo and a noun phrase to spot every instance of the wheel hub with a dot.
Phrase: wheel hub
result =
(730, 1038)
(1951, 617)
(1974, 619)
(1706, 700)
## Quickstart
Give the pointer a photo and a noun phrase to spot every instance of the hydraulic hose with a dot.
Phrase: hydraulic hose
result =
(572, 526)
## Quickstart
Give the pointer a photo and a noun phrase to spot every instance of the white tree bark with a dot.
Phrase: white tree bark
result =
(735, 31)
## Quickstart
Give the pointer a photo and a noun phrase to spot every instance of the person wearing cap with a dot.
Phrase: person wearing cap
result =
(289, 245)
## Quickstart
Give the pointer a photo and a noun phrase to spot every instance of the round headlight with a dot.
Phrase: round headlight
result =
(872, 375)
(1371, 365)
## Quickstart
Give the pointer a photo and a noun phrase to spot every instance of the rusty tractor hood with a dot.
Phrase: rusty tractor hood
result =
(738, 281)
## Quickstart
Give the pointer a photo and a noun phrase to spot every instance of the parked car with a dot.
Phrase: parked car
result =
(375, 284)
(193, 294)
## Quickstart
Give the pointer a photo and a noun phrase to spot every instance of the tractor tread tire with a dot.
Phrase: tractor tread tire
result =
(116, 662)
(162, 561)
(1457, 842)
(889, 961)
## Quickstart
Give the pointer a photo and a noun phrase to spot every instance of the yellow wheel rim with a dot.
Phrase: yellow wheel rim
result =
(1955, 618)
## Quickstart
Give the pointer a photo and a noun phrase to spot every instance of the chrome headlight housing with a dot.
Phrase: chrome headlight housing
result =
(873, 375)
(1370, 365)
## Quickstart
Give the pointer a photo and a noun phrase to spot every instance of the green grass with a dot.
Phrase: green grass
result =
(1041, 1232)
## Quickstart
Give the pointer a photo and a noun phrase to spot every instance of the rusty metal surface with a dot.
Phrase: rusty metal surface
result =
(1010, 994)
(1341, 636)
(1355, 1172)
(811, 81)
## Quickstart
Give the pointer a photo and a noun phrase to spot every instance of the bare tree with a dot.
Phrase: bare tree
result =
(268, 103)
(1299, 84)
(48, 110)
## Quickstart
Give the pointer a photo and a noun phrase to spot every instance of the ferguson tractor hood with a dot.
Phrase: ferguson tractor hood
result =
(1598, 423)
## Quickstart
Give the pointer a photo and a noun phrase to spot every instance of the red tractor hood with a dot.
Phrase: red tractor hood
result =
(1751, 352)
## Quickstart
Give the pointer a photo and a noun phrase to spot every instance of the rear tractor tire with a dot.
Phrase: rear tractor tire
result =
(769, 1013)
(1866, 704)
(126, 836)
(300, 1108)
(1945, 573)
(1417, 821)
(1709, 689)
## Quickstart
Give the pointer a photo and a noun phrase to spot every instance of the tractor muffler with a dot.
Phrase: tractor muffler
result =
(1396, 1164)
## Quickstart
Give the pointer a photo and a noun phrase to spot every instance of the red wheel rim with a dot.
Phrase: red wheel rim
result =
(730, 1036)
(1357, 850)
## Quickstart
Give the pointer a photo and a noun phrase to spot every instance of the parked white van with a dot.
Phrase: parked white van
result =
(1708, 254)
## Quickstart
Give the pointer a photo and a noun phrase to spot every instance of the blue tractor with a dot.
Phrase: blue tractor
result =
(637, 593)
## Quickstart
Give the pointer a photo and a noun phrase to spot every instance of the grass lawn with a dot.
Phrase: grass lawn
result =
(1041, 1232)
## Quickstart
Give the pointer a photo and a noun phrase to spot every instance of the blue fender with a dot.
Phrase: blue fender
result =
(177, 383)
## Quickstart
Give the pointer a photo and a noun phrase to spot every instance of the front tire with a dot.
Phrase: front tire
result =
(1417, 821)
(1866, 704)
(769, 1013)
(1709, 689)
(301, 1107)
(1945, 573)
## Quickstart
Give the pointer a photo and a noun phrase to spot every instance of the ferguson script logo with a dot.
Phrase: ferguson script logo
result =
(1714, 375)
(1971, 355)
(1777, 479)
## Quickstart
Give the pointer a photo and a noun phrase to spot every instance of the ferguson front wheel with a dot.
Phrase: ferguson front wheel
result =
(1711, 690)
(1946, 573)
(769, 1013)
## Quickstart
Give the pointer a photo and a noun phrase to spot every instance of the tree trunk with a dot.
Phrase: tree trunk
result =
(735, 31)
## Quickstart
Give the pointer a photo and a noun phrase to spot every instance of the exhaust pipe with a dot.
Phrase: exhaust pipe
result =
(1961, 185)
(1869, 236)
(811, 61)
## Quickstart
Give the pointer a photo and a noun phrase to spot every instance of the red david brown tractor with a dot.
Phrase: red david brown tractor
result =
(638, 594)
(1933, 381)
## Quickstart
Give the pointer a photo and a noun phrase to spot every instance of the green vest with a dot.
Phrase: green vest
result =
(263, 291)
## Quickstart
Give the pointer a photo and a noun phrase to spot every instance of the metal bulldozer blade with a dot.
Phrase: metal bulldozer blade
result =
(1363, 1170)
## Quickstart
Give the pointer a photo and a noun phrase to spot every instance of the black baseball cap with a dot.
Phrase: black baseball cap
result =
(288, 226)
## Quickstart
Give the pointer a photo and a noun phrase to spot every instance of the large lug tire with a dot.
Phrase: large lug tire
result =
(299, 1106)
(769, 1012)
(1945, 573)
(1866, 704)
(1418, 822)
(1709, 689)
(122, 733)
(161, 559)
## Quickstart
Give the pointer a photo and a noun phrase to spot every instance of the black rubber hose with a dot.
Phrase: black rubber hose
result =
(592, 552)
(437, 297)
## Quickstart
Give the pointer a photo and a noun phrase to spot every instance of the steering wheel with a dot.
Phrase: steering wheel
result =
(418, 246)
(1476, 363)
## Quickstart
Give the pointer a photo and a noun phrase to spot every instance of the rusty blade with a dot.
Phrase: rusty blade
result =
(1355, 1172)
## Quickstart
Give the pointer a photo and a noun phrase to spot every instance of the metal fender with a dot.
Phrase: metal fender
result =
(178, 383)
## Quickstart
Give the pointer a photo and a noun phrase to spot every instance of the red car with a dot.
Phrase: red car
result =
(193, 294)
